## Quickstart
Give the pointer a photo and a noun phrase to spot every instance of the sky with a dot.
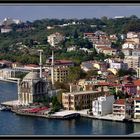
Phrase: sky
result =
(35, 11)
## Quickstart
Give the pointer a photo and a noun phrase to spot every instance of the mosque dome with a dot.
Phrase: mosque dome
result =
(32, 76)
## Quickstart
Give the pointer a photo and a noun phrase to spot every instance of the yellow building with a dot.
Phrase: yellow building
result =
(80, 100)
(60, 74)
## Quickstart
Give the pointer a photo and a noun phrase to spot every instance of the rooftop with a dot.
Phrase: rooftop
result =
(120, 101)
(82, 92)
(32, 76)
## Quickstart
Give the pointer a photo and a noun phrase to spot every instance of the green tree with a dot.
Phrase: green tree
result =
(74, 74)
(55, 104)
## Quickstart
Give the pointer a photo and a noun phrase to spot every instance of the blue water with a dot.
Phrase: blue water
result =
(12, 124)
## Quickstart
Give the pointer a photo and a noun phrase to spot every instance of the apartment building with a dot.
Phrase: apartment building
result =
(122, 108)
(103, 105)
(119, 65)
(80, 100)
(132, 61)
(61, 74)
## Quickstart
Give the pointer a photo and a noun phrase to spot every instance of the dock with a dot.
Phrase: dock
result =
(65, 114)
(10, 103)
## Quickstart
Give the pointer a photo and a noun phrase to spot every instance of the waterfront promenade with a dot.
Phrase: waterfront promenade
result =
(63, 113)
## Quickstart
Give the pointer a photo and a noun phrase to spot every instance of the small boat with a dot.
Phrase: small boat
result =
(3, 108)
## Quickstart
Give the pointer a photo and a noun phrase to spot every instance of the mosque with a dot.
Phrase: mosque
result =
(33, 87)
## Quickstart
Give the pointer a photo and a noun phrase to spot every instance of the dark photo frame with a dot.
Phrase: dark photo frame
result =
(86, 128)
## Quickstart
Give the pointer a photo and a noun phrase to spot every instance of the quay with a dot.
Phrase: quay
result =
(57, 115)
(63, 114)
(10, 103)
(14, 105)
(12, 80)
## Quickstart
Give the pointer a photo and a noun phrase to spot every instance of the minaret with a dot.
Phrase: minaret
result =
(40, 62)
(52, 69)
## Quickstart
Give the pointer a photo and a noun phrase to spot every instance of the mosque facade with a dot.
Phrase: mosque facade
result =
(32, 89)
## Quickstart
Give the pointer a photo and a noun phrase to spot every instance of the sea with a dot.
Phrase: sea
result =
(12, 124)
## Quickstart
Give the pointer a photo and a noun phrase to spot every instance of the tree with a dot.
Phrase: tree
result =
(55, 104)
(120, 94)
(74, 74)
(91, 73)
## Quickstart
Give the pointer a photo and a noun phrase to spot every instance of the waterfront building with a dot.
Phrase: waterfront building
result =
(80, 100)
(32, 89)
(103, 105)
(5, 63)
(16, 64)
(7, 73)
(123, 108)
(137, 108)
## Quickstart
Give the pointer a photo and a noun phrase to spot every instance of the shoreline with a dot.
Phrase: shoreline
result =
(8, 80)
(74, 116)
(80, 115)
(46, 116)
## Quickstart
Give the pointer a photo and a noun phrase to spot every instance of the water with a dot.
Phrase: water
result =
(12, 124)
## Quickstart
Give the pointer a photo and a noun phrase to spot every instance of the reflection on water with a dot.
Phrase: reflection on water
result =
(24, 125)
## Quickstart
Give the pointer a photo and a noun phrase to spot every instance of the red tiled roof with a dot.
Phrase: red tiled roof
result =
(129, 85)
(31, 65)
(103, 83)
(137, 98)
(120, 101)
(137, 82)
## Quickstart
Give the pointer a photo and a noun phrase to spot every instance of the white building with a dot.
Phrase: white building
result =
(103, 105)
(6, 73)
(55, 39)
(137, 108)
(123, 108)
(130, 44)
(119, 65)
(6, 30)
(86, 50)
(71, 48)
(132, 35)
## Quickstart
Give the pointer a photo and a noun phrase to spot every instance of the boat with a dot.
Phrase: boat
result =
(4, 108)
